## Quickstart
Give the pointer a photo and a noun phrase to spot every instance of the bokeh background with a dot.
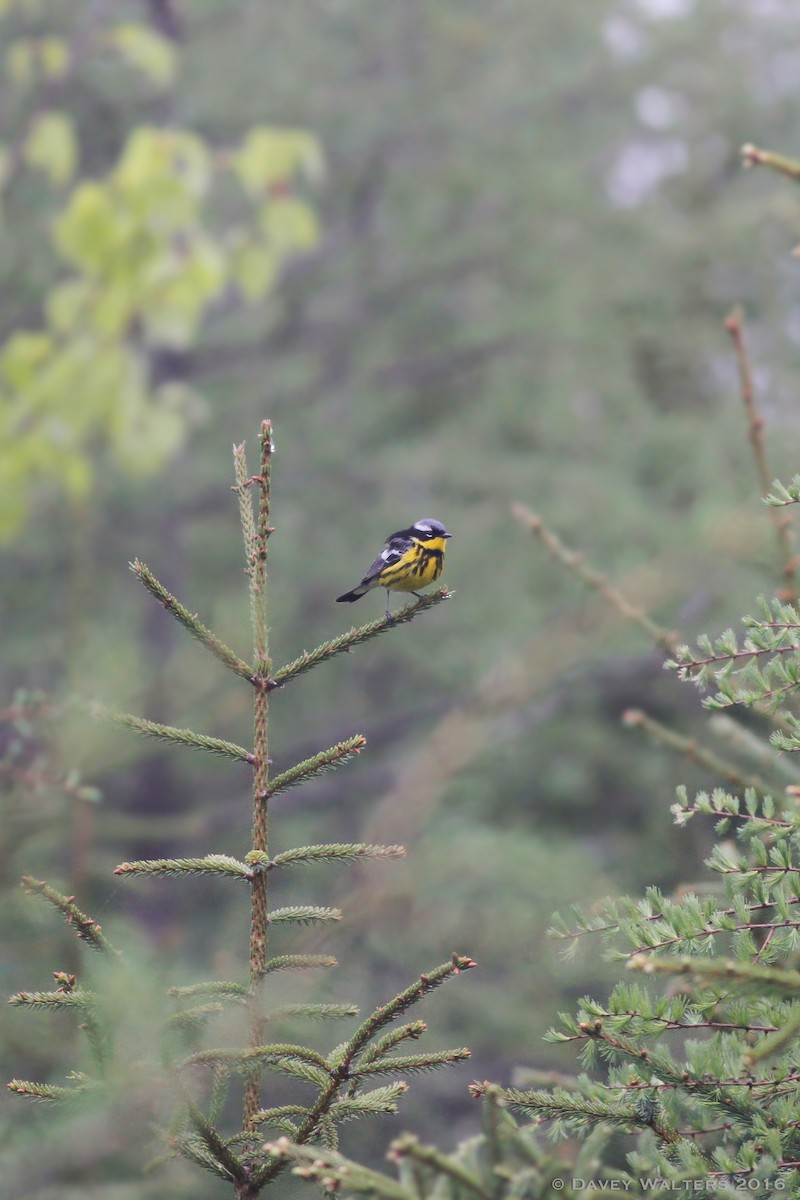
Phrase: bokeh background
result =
(462, 254)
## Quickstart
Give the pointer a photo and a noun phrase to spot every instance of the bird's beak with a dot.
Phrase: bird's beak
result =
(447, 535)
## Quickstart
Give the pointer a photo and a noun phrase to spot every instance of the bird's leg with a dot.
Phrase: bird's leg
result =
(388, 614)
(418, 595)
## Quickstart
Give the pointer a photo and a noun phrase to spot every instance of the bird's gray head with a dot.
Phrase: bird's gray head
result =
(428, 528)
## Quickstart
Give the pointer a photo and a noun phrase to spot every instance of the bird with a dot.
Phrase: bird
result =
(411, 558)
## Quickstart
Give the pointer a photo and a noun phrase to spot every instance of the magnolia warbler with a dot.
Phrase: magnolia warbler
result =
(412, 558)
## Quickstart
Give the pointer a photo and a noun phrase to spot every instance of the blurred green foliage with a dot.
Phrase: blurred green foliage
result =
(532, 226)
(142, 254)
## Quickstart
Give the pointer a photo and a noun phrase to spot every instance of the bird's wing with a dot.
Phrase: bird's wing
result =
(391, 553)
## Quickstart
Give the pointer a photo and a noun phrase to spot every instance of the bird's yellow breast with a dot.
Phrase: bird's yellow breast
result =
(420, 565)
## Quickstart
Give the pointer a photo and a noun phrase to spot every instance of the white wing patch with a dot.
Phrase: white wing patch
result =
(391, 554)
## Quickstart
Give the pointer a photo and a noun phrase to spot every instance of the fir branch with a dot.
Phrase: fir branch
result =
(411, 1063)
(42, 1091)
(409, 1146)
(667, 1071)
(256, 532)
(333, 1171)
(593, 579)
(354, 637)
(690, 748)
(195, 1150)
(389, 1012)
(76, 998)
(244, 1058)
(303, 914)
(781, 522)
(87, 929)
(744, 973)
(777, 1041)
(233, 1169)
(211, 864)
(340, 1063)
(298, 962)
(315, 1012)
(784, 494)
(410, 1032)
(191, 622)
(192, 1020)
(211, 988)
(578, 1111)
(277, 1115)
(246, 518)
(174, 736)
(326, 760)
(335, 852)
(377, 1100)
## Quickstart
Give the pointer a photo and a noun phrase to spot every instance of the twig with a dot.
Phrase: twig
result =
(781, 521)
(574, 561)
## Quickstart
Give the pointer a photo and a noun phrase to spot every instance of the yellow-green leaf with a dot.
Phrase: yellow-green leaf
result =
(67, 304)
(20, 61)
(254, 270)
(269, 156)
(22, 356)
(53, 58)
(147, 51)
(51, 146)
(290, 224)
(90, 231)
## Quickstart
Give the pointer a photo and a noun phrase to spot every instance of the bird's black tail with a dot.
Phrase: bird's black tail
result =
(349, 597)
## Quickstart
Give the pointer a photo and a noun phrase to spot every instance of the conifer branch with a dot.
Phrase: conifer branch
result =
(340, 1063)
(745, 973)
(781, 522)
(193, 1020)
(784, 494)
(303, 914)
(326, 760)
(410, 1032)
(87, 929)
(401, 1003)
(567, 1105)
(211, 864)
(298, 962)
(180, 737)
(775, 1042)
(191, 622)
(333, 1171)
(75, 998)
(378, 1100)
(314, 1012)
(234, 1169)
(212, 988)
(42, 1091)
(411, 1063)
(691, 749)
(335, 853)
(573, 561)
(354, 637)
(279, 1114)
(256, 532)
(409, 1146)
(265, 1053)
(70, 996)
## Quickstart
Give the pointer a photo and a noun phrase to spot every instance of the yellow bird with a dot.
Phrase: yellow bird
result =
(412, 558)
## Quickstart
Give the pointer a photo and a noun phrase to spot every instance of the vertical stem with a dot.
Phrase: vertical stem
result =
(780, 519)
(256, 547)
